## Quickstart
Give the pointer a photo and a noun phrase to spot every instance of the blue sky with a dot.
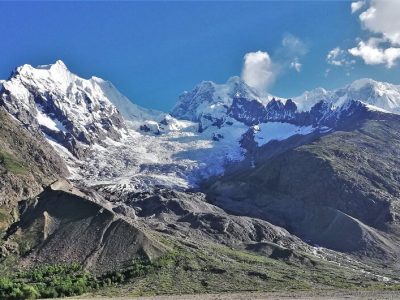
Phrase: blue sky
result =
(152, 51)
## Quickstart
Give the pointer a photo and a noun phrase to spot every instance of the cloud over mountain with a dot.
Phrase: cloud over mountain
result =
(258, 70)
(381, 20)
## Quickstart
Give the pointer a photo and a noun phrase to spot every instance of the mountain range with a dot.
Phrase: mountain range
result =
(309, 184)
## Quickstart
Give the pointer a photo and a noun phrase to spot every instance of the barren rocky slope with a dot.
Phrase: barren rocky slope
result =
(65, 225)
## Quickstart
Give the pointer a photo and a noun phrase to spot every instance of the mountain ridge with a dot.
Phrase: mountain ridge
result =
(93, 121)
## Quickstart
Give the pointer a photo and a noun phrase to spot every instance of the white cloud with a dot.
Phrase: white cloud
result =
(381, 19)
(338, 57)
(292, 46)
(296, 65)
(373, 54)
(332, 57)
(290, 52)
(258, 70)
(356, 6)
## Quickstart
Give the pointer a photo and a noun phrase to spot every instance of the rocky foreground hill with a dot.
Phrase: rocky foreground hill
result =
(234, 190)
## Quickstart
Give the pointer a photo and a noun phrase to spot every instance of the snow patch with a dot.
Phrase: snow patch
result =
(278, 131)
(375, 108)
(48, 122)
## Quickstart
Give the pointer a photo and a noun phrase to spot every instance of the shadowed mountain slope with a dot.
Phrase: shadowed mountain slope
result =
(27, 163)
(340, 191)
(65, 225)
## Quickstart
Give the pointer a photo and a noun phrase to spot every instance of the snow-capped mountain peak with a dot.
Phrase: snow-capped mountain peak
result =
(381, 95)
(46, 74)
(73, 111)
(211, 99)
(58, 64)
(309, 98)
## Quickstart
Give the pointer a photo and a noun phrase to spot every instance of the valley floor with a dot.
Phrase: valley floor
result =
(300, 295)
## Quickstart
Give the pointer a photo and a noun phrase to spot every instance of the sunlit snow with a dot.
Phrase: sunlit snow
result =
(48, 122)
(278, 131)
(177, 158)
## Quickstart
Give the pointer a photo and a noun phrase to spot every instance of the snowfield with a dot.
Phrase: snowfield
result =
(277, 131)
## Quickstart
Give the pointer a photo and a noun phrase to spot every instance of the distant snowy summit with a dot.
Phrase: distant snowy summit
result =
(373, 94)
(210, 103)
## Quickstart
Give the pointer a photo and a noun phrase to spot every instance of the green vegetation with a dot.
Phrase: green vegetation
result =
(11, 164)
(187, 270)
(3, 216)
(47, 282)
(66, 280)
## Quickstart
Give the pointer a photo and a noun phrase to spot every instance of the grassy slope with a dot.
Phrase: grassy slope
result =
(11, 163)
(214, 268)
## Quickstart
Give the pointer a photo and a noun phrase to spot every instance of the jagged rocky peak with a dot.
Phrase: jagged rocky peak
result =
(277, 110)
(73, 111)
(212, 104)
(209, 98)
(247, 111)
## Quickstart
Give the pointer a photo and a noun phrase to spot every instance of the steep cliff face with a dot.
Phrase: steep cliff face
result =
(27, 164)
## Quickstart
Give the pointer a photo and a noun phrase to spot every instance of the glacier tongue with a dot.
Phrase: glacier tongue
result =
(180, 157)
